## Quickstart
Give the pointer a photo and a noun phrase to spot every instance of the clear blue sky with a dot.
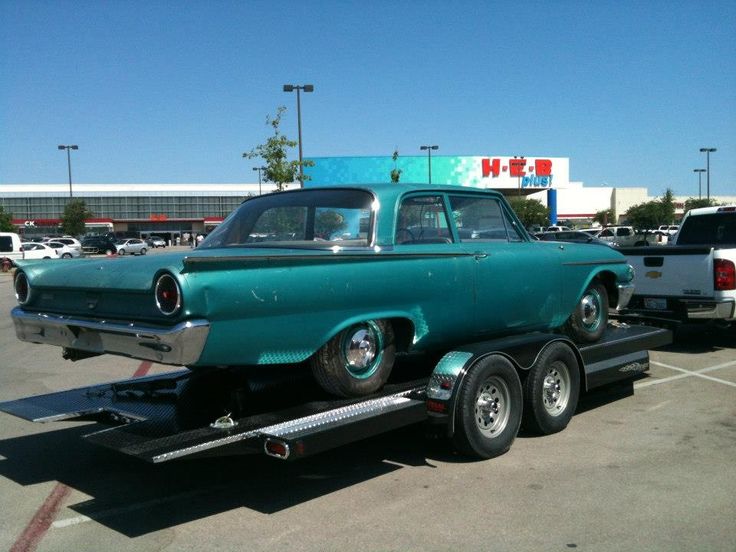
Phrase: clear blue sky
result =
(170, 91)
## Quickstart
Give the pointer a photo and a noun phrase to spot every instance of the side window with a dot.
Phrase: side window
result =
(482, 219)
(606, 234)
(624, 232)
(6, 243)
(422, 219)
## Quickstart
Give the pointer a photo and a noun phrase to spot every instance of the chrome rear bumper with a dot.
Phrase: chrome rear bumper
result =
(180, 345)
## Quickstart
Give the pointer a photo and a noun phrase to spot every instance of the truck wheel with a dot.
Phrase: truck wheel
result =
(489, 408)
(551, 390)
(588, 321)
(357, 361)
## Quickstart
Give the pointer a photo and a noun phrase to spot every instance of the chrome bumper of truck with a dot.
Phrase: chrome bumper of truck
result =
(180, 345)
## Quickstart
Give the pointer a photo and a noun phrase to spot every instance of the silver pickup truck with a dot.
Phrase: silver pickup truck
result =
(694, 278)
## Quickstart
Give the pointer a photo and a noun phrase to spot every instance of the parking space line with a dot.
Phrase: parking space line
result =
(687, 374)
(42, 521)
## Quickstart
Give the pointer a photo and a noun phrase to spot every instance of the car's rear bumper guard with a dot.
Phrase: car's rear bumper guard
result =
(180, 345)
(625, 292)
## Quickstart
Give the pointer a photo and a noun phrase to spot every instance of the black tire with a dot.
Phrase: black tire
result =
(357, 361)
(121, 251)
(488, 409)
(589, 319)
(143, 251)
(66, 256)
(551, 390)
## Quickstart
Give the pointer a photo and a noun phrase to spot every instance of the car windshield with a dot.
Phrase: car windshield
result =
(306, 218)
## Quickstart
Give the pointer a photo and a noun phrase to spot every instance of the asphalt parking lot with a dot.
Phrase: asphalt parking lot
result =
(647, 466)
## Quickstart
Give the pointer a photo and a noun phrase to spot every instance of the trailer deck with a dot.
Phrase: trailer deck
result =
(187, 414)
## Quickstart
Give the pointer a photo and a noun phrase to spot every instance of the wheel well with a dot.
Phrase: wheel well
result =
(403, 333)
(608, 279)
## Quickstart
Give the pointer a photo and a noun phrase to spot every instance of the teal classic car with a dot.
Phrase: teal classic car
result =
(342, 278)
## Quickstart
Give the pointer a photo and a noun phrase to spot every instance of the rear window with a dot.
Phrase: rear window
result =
(712, 229)
(6, 244)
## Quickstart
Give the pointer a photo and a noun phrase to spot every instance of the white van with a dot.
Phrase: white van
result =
(10, 246)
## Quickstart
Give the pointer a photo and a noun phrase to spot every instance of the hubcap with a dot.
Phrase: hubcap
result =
(492, 407)
(362, 350)
(556, 388)
(590, 308)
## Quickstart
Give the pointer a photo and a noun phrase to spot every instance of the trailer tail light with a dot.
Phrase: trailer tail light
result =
(277, 449)
(724, 275)
(168, 295)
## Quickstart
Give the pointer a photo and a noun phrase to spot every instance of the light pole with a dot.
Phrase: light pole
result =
(429, 158)
(259, 169)
(69, 163)
(700, 182)
(707, 152)
(306, 88)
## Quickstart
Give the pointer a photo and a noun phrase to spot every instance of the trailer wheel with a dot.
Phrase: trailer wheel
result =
(357, 361)
(588, 321)
(489, 408)
(551, 390)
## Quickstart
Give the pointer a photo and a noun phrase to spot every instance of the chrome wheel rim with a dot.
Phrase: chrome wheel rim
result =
(556, 388)
(591, 309)
(492, 404)
(362, 349)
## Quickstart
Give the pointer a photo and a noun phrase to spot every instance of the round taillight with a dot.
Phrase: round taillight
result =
(22, 288)
(168, 295)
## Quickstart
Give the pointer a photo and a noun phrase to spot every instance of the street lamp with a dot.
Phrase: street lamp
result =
(69, 163)
(700, 181)
(306, 88)
(429, 158)
(259, 169)
(707, 152)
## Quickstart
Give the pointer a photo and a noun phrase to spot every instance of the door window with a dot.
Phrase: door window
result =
(482, 219)
(422, 219)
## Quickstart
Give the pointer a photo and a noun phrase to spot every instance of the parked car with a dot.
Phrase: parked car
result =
(155, 241)
(131, 246)
(555, 228)
(572, 236)
(34, 250)
(92, 245)
(415, 269)
(69, 241)
(63, 250)
(11, 247)
(622, 236)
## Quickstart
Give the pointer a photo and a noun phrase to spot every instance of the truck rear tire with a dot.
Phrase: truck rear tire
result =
(589, 319)
(488, 409)
(551, 390)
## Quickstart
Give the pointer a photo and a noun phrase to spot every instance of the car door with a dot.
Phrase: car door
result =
(517, 281)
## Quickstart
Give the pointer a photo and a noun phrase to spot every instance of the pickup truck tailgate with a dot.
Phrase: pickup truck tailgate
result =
(672, 271)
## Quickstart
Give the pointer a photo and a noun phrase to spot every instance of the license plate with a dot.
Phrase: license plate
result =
(655, 303)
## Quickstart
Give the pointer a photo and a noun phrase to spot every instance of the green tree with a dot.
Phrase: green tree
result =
(274, 153)
(75, 213)
(692, 203)
(395, 172)
(651, 214)
(6, 221)
(530, 211)
(607, 216)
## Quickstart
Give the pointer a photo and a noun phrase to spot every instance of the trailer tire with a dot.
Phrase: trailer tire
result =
(489, 408)
(357, 361)
(589, 319)
(551, 390)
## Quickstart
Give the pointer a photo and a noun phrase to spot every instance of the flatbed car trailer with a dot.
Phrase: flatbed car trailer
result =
(477, 395)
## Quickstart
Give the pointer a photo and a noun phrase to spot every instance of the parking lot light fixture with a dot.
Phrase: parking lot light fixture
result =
(700, 182)
(707, 152)
(69, 162)
(298, 88)
(429, 158)
(259, 169)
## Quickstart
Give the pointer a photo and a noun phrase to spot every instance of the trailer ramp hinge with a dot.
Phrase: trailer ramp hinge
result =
(224, 422)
